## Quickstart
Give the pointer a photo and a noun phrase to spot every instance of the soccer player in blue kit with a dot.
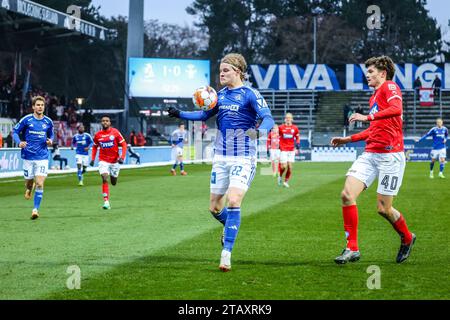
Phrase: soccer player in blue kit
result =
(439, 152)
(178, 138)
(235, 158)
(33, 134)
(83, 142)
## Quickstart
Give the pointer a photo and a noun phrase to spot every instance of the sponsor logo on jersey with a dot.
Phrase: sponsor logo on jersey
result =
(374, 108)
(40, 133)
(231, 107)
(107, 145)
(288, 136)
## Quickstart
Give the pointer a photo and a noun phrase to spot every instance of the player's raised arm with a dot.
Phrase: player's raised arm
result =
(193, 115)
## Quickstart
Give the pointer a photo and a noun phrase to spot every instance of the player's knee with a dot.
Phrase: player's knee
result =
(347, 198)
(234, 200)
(39, 184)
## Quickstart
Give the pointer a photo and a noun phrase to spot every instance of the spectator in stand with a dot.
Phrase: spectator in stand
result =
(417, 85)
(57, 156)
(52, 112)
(346, 110)
(351, 125)
(87, 118)
(73, 120)
(437, 86)
(133, 138)
(140, 139)
(65, 116)
(359, 110)
(59, 112)
(9, 140)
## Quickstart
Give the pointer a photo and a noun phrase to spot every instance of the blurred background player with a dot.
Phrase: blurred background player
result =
(384, 158)
(34, 134)
(108, 140)
(273, 144)
(57, 156)
(178, 139)
(82, 141)
(234, 161)
(133, 154)
(289, 145)
(439, 152)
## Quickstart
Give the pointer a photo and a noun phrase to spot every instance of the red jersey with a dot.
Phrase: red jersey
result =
(273, 140)
(108, 141)
(289, 135)
(385, 133)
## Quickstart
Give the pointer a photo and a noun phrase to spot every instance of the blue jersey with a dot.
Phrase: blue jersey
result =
(439, 135)
(35, 132)
(178, 138)
(81, 141)
(237, 111)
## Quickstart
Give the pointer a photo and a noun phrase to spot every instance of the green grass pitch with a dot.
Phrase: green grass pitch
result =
(160, 242)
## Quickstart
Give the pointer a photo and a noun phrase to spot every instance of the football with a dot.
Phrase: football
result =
(205, 98)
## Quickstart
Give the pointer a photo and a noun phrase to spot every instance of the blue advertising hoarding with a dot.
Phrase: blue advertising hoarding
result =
(167, 78)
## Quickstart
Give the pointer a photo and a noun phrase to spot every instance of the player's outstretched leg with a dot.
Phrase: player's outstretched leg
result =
(441, 169)
(80, 174)
(105, 192)
(221, 216)
(431, 168)
(231, 230)
(38, 195)
(29, 186)
(352, 188)
(182, 172)
(173, 171)
(398, 222)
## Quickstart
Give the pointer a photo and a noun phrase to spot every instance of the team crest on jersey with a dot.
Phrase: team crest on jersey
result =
(111, 138)
(44, 126)
(292, 130)
(238, 97)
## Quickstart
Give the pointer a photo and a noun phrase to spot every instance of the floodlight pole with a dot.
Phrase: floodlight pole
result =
(135, 48)
(315, 39)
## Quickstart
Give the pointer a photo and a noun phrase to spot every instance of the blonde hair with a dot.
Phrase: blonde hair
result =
(36, 99)
(289, 115)
(237, 61)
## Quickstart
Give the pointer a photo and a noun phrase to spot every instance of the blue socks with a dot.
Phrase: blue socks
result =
(181, 166)
(174, 165)
(232, 227)
(431, 166)
(221, 216)
(80, 174)
(38, 193)
(441, 167)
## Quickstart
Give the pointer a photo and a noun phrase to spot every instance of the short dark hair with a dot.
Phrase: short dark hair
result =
(181, 124)
(105, 116)
(36, 99)
(382, 63)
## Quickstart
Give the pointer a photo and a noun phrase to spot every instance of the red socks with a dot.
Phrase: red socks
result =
(350, 214)
(105, 190)
(288, 174)
(402, 229)
(281, 170)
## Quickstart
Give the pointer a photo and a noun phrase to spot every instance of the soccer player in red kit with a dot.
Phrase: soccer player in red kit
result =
(383, 158)
(289, 145)
(273, 144)
(108, 140)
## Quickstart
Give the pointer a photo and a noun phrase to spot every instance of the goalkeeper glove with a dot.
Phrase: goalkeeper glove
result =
(174, 112)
